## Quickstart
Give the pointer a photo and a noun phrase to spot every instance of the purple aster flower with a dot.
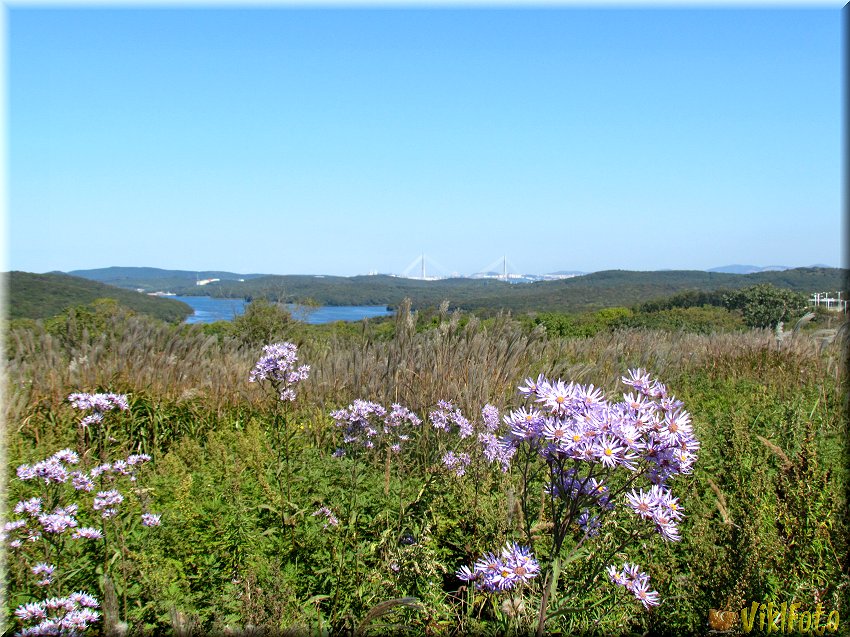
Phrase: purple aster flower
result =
(463, 425)
(629, 436)
(31, 507)
(666, 525)
(25, 472)
(71, 509)
(615, 575)
(456, 462)
(67, 456)
(588, 396)
(647, 597)
(490, 416)
(400, 415)
(330, 518)
(638, 378)
(98, 404)
(532, 387)
(641, 503)
(496, 450)
(446, 415)
(608, 451)
(60, 603)
(524, 424)
(588, 523)
(87, 533)
(43, 568)
(84, 599)
(50, 470)
(277, 365)
(46, 571)
(515, 566)
(670, 403)
(151, 519)
(81, 481)
(631, 573)
(639, 404)
(557, 396)
(31, 612)
(56, 522)
(106, 499)
(100, 469)
(555, 430)
(91, 419)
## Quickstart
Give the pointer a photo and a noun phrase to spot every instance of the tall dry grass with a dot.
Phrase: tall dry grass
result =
(467, 361)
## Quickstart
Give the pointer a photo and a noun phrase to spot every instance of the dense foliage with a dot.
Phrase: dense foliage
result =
(264, 523)
(766, 306)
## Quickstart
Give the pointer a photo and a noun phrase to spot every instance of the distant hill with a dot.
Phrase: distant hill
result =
(155, 279)
(747, 269)
(44, 295)
(579, 293)
(589, 292)
(752, 269)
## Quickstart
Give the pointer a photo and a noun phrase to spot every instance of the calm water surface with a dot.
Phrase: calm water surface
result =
(210, 310)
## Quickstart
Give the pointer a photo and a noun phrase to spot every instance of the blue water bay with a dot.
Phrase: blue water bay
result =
(209, 310)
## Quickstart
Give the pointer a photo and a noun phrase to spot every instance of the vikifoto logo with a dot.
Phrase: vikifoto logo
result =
(775, 618)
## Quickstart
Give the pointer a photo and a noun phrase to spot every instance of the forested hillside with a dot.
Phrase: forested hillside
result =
(613, 288)
(44, 295)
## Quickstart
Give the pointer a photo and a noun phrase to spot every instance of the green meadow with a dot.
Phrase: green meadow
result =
(239, 477)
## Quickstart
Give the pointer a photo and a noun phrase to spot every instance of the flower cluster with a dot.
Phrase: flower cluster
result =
(513, 567)
(446, 415)
(151, 519)
(330, 518)
(106, 502)
(71, 615)
(99, 404)
(62, 504)
(364, 424)
(51, 470)
(278, 366)
(631, 577)
(456, 462)
(46, 571)
(647, 433)
(493, 448)
(128, 468)
(55, 470)
(658, 505)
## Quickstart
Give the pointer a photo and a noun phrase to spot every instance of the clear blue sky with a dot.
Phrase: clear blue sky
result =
(339, 141)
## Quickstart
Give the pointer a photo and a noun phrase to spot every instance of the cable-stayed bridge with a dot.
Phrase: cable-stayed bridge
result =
(425, 268)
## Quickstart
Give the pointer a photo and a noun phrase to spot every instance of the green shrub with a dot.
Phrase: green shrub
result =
(766, 305)
(262, 322)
